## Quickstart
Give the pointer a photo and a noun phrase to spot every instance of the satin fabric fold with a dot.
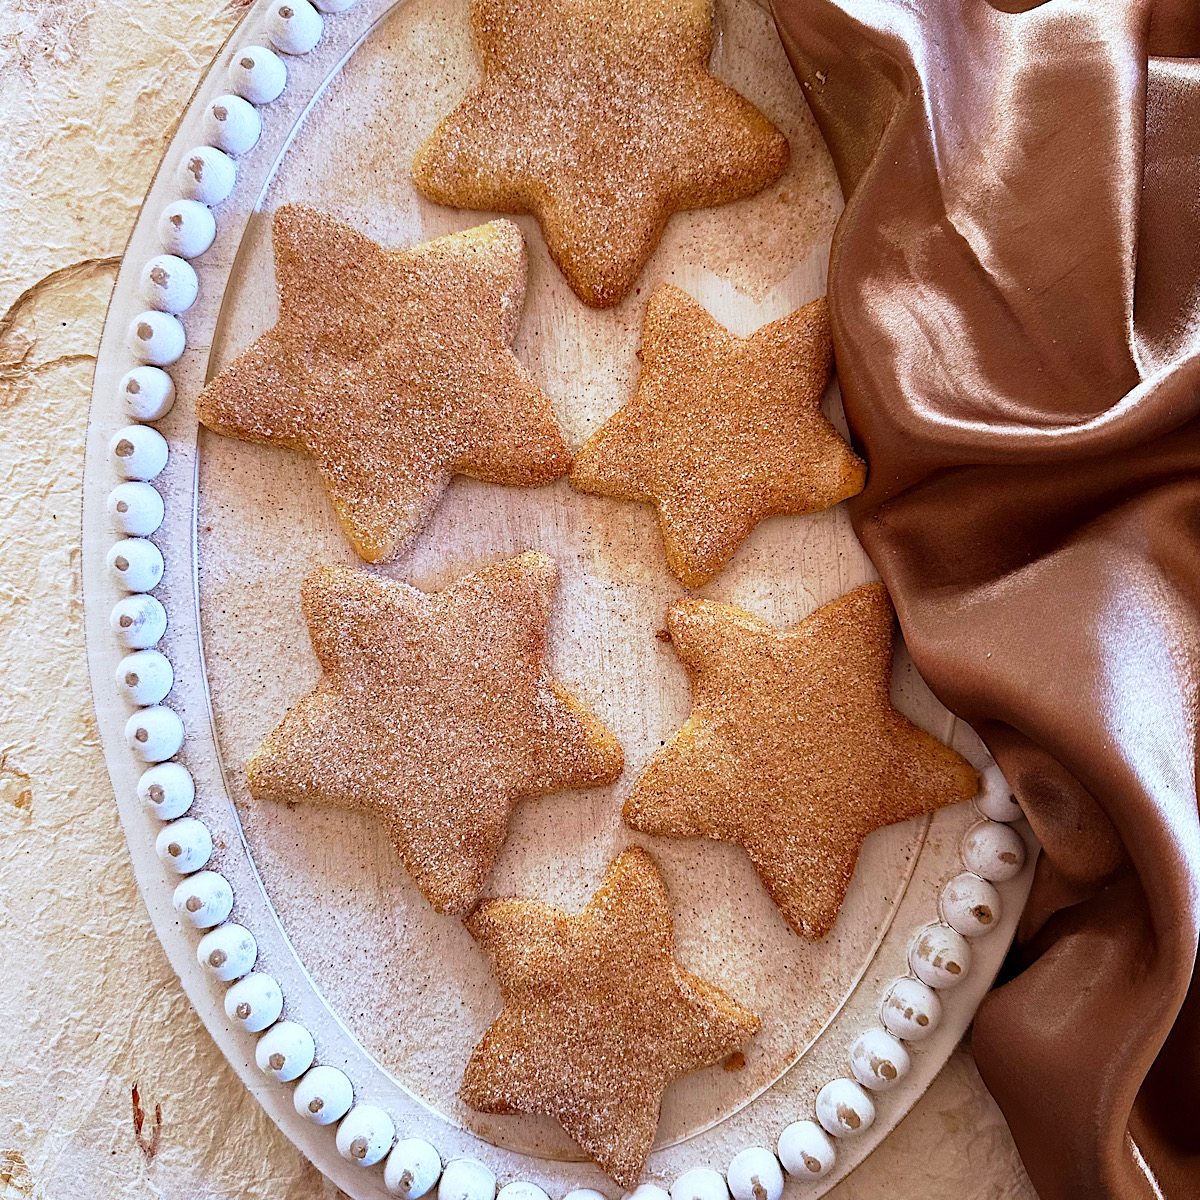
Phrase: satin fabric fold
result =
(1015, 293)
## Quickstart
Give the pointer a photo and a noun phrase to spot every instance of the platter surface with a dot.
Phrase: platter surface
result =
(395, 994)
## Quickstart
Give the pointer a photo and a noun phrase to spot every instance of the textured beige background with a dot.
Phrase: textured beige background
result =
(89, 1008)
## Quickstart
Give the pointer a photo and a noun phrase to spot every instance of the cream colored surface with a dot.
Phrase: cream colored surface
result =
(88, 1006)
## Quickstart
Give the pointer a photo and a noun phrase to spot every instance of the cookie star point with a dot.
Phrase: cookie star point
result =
(722, 432)
(394, 371)
(598, 1016)
(436, 713)
(793, 749)
(600, 118)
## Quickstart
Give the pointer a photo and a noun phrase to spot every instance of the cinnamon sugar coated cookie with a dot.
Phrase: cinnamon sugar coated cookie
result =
(393, 369)
(793, 749)
(598, 1016)
(436, 713)
(722, 432)
(601, 119)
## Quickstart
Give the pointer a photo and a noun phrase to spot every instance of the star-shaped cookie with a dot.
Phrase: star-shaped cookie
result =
(598, 1016)
(601, 119)
(722, 431)
(437, 713)
(393, 369)
(793, 749)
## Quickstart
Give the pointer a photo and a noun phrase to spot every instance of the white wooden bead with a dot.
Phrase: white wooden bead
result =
(365, 1135)
(170, 283)
(647, 1191)
(139, 622)
(806, 1150)
(592, 1194)
(970, 905)
(700, 1183)
(294, 27)
(254, 1002)
(204, 899)
(167, 789)
(228, 952)
(467, 1179)
(232, 124)
(995, 799)
(136, 508)
(156, 338)
(154, 734)
(993, 851)
(334, 6)
(207, 175)
(844, 1109)
(911, 1010)
(146, 393)
(257, 74)
(185, 845)
(755, 1174)
(878, 1061)
(186, 228)
(940, 957)
(323, 1096)
(520, 1189)
(412, 1169)
(138, 452)
(136, 564)
(285, 1051)
(145, 677)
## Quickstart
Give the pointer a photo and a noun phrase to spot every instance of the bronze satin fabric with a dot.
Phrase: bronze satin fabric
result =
(1015, 290)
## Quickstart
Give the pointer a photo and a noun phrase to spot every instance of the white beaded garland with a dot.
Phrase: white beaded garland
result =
(185, 845)
(647, 1191)
(412, 1169)
(844, 1109)
(520, 1189)
(334, 6)
(254, 1002)
(207, 175)
(467, 1179)
(592, 1194)
(700, 1183)
(878, 1061)
(139, 621)
(145, 677)
(755, 1174)
(167, 789)
(365, 1135)
(170, 283)
(138, 452)
(257, 74)
(154, 734)
(232, 124)
(187, 228)
(323, 1095)
(136, 564)
(806, 1150)
(993, 851)
(228, 952)
(911, 1010)
(940, 957)
(136, 508)
(294, 26)
(995, 799)
(147, 393)
(156, 338)
(285, 1051)
(970, 905)
(204, 899)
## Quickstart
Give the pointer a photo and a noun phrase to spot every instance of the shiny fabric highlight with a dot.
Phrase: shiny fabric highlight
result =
(1015, 291)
